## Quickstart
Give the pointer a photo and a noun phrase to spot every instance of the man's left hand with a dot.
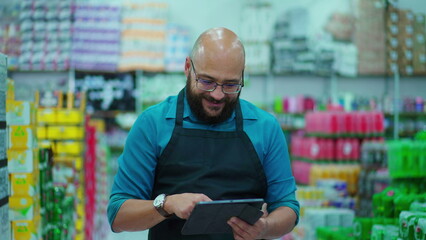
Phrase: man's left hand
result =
(245, 231)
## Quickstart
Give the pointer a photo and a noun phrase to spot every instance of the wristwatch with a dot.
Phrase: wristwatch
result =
(159, 205)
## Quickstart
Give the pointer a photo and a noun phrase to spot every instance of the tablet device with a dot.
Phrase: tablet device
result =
(211, 217)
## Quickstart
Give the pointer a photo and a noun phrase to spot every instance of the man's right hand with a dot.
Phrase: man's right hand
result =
(183, 204)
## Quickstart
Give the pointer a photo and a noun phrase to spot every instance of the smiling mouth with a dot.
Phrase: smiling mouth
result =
(214, 105)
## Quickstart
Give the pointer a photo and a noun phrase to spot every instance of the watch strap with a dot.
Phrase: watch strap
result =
(161, 209)
(163, 212)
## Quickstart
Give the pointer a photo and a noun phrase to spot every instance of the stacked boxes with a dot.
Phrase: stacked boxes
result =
(370, 37)
(45, 33)
(406, 159)
(23, 167)
(400, 40)
(96, 171)
(96, 37)
(419, 46)
(406, 45)
(143, 36)
(4, 177)
(256, 34)
(178, 46)
(10, 40)
(62, 127)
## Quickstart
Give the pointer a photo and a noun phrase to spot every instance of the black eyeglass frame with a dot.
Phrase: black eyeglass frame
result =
(217, 84)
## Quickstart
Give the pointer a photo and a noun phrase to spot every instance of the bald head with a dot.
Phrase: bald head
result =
(219, 43)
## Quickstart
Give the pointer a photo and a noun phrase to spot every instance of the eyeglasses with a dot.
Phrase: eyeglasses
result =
(210, 86)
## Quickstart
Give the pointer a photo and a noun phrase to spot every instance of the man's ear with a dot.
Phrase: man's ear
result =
(187, 67)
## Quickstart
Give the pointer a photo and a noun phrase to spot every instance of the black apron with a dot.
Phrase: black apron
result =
(221, 165)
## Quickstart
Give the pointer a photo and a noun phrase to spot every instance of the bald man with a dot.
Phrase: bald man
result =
(204, 144)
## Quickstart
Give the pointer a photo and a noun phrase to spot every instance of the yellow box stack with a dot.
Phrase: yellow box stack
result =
(61, 126)
(23, 168)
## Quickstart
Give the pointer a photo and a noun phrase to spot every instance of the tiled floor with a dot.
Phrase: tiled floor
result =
(128, 236)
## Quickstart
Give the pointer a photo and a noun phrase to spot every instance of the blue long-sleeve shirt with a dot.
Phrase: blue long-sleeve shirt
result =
(152, 131)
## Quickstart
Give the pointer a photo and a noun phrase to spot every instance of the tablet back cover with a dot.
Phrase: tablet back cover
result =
(212, 217)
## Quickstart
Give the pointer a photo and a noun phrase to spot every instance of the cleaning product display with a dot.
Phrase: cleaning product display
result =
(338, 139)
(374, 175)
(25, 208)
(61, 127)
(346, 124)
(407, 159)
(397, 213)
(96, 178)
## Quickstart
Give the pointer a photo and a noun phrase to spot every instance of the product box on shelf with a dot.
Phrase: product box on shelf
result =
(49, 99)
(419, 23)
(73, 148)
(20, 113)
(76, 161)
(10, 89)
(22, 161)
(65, 132)
(24, 184)
(22, 137)
(23, 208)
(41, 132)
(407, 222)
(26, 229)
(46, 116)
(70, 116)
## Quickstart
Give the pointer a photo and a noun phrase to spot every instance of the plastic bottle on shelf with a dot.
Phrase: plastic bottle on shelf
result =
(420, 229)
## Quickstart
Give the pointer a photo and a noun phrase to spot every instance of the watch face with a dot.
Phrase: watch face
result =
(159, 200)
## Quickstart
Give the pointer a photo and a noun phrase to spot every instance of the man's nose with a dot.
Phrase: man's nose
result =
(218, 93)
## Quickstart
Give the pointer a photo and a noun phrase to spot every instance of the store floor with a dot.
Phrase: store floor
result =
(128, 236)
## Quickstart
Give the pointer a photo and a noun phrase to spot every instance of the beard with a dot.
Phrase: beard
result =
(195, 102)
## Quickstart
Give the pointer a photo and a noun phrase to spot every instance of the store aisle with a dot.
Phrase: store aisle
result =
(128, 236)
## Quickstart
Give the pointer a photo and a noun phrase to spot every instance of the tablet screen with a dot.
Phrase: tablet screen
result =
(211, 217)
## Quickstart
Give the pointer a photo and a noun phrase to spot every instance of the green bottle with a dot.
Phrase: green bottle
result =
(362, 228)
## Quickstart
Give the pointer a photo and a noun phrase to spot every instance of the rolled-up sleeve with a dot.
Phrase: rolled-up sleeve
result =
(135, 175)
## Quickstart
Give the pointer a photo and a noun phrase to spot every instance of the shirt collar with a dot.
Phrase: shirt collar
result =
(171, 113)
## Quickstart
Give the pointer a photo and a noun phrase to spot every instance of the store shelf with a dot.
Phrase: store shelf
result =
(408, 114)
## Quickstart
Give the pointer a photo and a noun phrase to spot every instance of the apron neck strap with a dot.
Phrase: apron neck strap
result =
(179, 108)
(179, 112)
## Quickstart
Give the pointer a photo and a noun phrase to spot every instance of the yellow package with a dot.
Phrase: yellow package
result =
(46, 116)
(20, 113)
(20, 161)
(75, 161)
(69, 147)
(21, 137)
(25, 230)
(21, 208)
(42, 132)
(10, 89)
(65, 132)
(24, 184)
(70, 116)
